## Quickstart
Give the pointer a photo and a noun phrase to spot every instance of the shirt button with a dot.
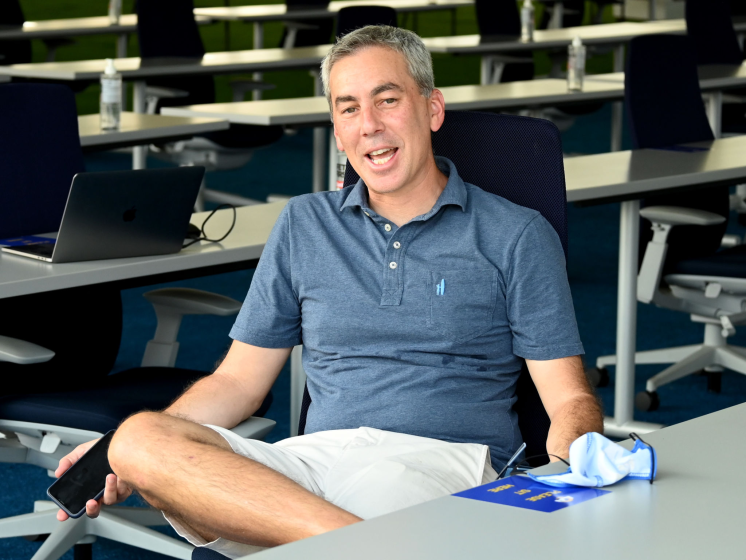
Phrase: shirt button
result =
(387, 227)
(367, 214)
(397, 244)
(392, 265)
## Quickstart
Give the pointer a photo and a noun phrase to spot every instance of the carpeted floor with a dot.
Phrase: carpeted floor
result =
(285, 168)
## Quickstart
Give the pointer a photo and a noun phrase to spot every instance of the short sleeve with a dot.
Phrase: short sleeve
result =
(270, 316)
(539, 302)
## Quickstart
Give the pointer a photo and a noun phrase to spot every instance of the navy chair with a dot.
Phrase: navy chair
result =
(520, 159)
(58, 348)
(306, 32)
(167, 29)
(682, 268)
(499, 20)
(355, 17)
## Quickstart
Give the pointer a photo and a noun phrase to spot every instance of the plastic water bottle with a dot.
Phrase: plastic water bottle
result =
(527, 21)
(111, 97)
(341, 168)
(575, 65)
(115, 10)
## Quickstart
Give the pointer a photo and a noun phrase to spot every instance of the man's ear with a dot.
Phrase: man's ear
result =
(437, 106)
(336, 137)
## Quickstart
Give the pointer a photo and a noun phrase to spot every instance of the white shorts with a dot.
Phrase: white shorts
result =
(366, 471)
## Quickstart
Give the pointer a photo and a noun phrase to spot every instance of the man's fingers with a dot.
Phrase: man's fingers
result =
(110, 490)
(92, 508)
(65, 464)
(62, 516)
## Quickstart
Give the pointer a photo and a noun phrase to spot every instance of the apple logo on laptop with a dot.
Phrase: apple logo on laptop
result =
(129, 215)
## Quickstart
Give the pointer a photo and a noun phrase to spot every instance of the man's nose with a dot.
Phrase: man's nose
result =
(372, 123)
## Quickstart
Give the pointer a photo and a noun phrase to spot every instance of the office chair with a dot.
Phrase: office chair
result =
(19, 51)
(167, 29)
(682, 268)
(355, 17)
(306, 32)
(498, 20)
(57, 348)
(524, 166)
(573, 13)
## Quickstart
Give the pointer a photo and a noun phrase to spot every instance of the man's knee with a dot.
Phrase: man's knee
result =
(148, 445)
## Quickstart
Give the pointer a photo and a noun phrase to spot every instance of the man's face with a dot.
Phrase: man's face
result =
(381, 120)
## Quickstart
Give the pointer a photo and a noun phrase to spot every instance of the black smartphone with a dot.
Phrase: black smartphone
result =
(84, 481)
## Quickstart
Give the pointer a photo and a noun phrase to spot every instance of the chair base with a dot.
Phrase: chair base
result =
(713, 355)
(122, 524)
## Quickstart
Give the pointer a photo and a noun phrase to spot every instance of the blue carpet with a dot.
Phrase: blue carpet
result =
(285, 168)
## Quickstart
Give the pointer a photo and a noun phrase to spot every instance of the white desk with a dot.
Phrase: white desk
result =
(69, 27)
(241, 249)
(139, 129)
(692, 511)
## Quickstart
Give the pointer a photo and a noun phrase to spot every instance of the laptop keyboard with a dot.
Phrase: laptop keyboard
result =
(41, 249)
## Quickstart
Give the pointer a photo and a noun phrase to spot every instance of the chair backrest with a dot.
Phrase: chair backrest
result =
(167, 29)
(39, 155)
(19, 51)
(520, 159)
(320, 30)
(355, 17)
(664, 107)
(500, 18)
(709, 24)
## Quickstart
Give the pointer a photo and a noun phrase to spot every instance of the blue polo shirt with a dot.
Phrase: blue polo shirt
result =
(417, 329)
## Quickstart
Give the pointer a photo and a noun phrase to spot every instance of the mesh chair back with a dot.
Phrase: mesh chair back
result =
(355, 17)
(13, 52)
(709, 24)
(39, 155)
(520, 159)
(167, 29)
(664, 107)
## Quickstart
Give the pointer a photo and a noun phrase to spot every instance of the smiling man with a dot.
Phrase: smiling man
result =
(416, 296)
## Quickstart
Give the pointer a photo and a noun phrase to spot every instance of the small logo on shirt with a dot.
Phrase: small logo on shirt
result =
(440, 288)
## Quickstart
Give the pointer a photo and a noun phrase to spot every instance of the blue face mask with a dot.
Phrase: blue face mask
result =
(596, 461)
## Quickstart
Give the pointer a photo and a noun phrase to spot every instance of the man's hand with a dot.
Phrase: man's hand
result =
(115, 491)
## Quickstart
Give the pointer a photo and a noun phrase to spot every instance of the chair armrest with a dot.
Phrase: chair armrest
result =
(170, 305)
(23, 353)
(154, 94)
(254, 428)
(241, 87)
(677, 216)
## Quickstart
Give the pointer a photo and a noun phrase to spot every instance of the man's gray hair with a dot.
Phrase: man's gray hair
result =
(419, 61)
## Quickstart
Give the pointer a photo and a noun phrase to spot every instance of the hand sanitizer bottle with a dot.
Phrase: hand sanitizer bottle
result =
(115, 10)
(575, 65)
(111, 97)
(527, 21)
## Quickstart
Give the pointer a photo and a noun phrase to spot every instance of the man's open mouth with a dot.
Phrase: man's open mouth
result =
(379, 157)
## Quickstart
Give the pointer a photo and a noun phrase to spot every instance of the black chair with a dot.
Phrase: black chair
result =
(19, 51)
(167, 29)
(306, 32)
(355, 17)
(573, 13)
(664, 107)
(58, 348)
(498, 20)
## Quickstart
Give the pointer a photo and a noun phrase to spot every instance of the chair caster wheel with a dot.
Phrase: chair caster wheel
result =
(647, 401)
(598, 377)
(714, 381)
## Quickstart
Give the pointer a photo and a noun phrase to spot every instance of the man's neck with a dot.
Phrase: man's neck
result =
(411, 201)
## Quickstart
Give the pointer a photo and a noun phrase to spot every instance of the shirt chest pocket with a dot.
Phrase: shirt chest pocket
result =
(462, 302)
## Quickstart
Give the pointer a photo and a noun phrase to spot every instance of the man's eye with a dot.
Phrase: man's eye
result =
(389, 101)
(348, 110)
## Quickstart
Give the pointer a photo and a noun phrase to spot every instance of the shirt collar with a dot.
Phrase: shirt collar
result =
(454, 193)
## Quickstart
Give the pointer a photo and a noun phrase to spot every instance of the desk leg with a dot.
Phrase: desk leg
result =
(617, 108)
(139, 153)
(258, 44)
(485, 72)
(715, 112)
(626, 327)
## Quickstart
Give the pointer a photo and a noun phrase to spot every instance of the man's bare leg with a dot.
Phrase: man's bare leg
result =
(184, 468)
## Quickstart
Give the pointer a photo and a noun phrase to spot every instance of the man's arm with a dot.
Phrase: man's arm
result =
(236, 389)
(568, 399)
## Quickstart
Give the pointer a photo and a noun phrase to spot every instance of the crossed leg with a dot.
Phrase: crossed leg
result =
(190, 472)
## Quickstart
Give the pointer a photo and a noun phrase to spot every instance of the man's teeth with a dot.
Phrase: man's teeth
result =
(381, 161)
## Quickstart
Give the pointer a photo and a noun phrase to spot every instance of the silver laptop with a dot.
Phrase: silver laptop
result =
(118, 214)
